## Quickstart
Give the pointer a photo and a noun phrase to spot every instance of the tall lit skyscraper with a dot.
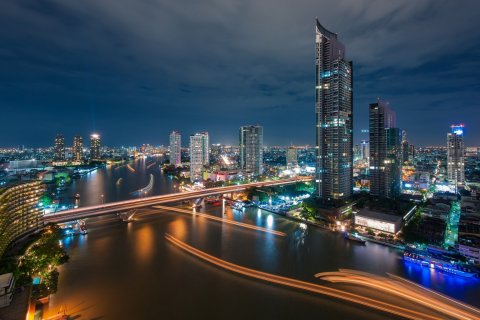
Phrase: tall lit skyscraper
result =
(77, 149)
(59, 148)
(175, 148)
(251, 149)
(95, 147)
(385, 151)
(455, 155)
(334, 113)
(199, 146)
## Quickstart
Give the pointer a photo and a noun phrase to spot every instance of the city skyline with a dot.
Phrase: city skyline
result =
(155, 151)
(123, 93)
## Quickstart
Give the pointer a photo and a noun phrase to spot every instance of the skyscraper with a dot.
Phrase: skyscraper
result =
(175, 148)
(77, 149)
(334, 115)
(251, 149)
(59, 148)
(292, 157)
(95, 147)
(405, 147)
(385, 151)
(199, 147)
(365, 150)
(455, 155)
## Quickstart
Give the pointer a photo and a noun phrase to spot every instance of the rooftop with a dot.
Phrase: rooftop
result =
(5, 280)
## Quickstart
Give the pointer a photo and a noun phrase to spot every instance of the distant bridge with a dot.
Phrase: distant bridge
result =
(122, 206)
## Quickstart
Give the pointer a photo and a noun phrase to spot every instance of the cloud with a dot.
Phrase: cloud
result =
(198, 58)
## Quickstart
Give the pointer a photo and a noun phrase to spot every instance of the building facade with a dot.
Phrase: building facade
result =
(385, 151)
(334, 117)
(95, 144)
(77, 148)
(199, 157)
(292, 157)
(175, 148)
(456, 155)
(59, 148)
(365, 150)
(20, 211)
(251, 149)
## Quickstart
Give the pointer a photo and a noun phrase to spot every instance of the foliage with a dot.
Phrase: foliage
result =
(42, 258)
(370, 232)
(409, 231)
(46, 199)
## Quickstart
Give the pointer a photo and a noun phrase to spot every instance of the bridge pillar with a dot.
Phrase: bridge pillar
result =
(223, 206)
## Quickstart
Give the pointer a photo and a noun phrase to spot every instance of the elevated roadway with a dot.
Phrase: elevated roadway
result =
(121, 206)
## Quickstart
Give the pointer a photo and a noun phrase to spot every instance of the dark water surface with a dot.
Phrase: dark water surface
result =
(129, 271)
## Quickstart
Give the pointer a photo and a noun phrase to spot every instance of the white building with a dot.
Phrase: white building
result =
(199, 148)
(378, 221)
(175, 148)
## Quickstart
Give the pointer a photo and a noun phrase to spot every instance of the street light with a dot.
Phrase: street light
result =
(101, 197)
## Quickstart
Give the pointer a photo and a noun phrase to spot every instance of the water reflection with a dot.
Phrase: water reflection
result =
(144, 242)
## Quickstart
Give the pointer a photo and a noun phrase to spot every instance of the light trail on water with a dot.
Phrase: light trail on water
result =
(303, 285)
(223, 220)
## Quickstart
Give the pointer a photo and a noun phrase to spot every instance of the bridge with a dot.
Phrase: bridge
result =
(122, 206)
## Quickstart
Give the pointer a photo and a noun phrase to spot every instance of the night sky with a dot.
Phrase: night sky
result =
(133, 70)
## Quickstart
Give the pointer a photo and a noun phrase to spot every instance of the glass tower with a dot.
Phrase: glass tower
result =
(455, 155)
(385, 151)
(251, 149)
(175, 148)
(199, 157)
(77, 148)
(334, 117)
(94, 147)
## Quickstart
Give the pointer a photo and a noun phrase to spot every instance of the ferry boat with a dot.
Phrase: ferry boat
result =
(436, 263)
(354, 238)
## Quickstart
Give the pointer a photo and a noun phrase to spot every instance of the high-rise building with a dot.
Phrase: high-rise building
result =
(175, 148)
(292, 157)
(251, 149)
(20, 211)
(59, 148)
(199, 157)
(405, 147)
(77, 149)
(365, 150)
(385, 151)
(95, 147)
(455, 155)
(334, 113)
(411, 153)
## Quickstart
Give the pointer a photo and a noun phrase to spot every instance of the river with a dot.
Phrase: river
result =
(129, 271)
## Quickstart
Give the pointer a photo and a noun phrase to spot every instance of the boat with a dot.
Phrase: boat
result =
(211, 199)
(83, 229)
(237, 206)
(354, 238)
(438, 263)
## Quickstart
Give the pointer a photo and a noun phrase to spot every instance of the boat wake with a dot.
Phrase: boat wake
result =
(147, 188)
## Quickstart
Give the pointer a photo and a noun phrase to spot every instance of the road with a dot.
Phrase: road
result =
(120, 206)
